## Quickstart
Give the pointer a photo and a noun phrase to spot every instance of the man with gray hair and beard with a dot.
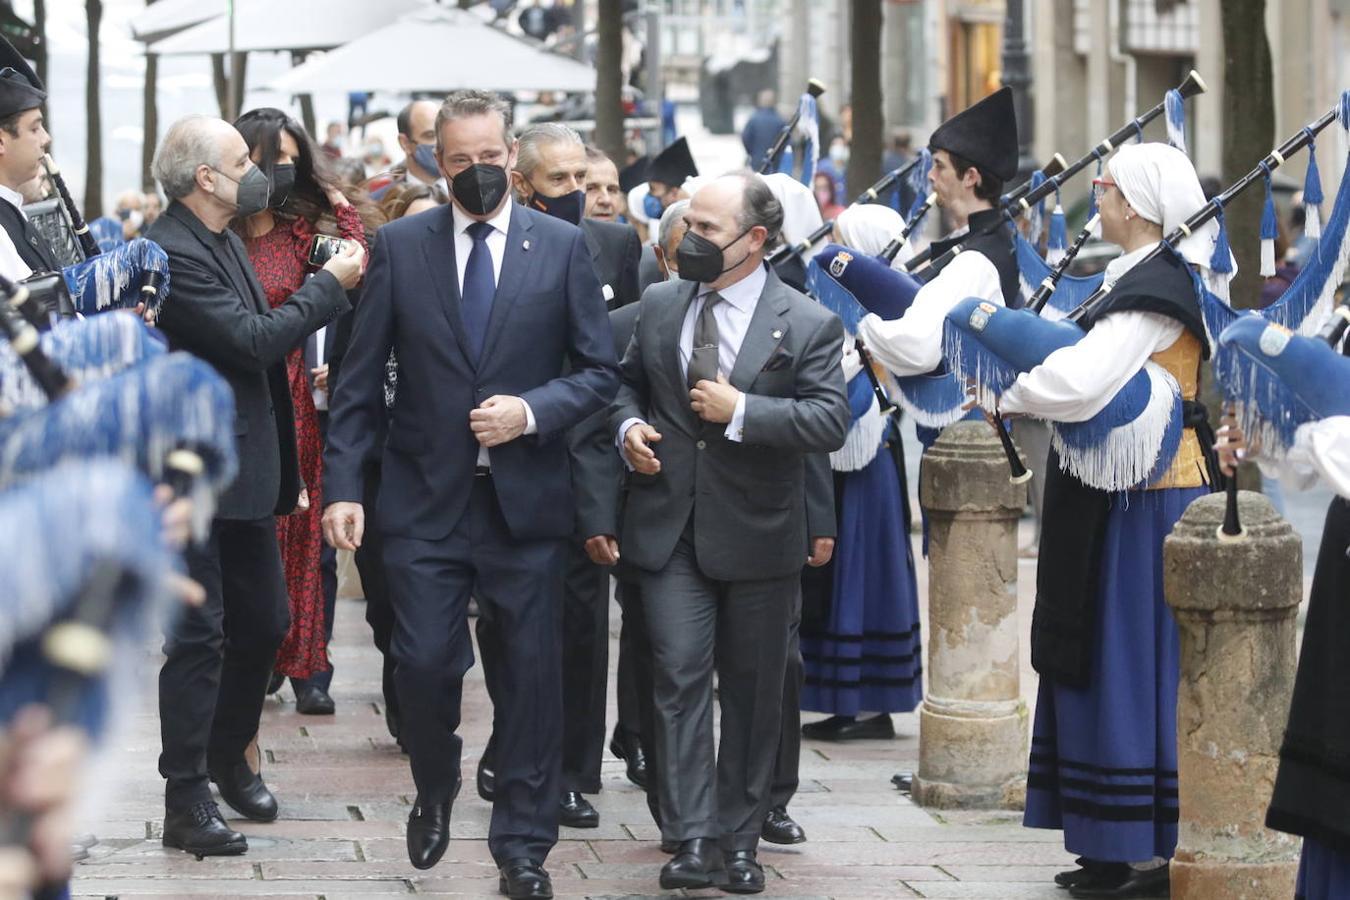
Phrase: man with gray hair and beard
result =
(218, 656)
(715, 520)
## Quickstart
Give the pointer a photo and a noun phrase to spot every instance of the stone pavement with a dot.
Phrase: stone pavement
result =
(345, 792)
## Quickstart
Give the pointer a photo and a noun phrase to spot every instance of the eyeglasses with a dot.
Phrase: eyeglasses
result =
(1099, 186)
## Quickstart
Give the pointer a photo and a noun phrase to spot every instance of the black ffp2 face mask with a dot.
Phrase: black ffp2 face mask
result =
(568, 207)
(701, 260)
(283, 181)
(480, 188)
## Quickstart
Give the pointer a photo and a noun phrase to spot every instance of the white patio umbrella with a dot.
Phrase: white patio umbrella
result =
(290, 25)
(438, 49)
(158, 20)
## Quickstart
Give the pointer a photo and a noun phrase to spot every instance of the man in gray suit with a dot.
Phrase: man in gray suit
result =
(731, 379)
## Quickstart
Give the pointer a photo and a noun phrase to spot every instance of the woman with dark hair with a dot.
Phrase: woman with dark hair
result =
(305, 201)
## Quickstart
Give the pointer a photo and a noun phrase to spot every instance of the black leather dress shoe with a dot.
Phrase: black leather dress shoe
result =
(487, 776)
(849, 728)
(627, 747)
(577, 812)
(1091, 872)
(201, 830)
(744, 873)
(524, 879)
(697, 864)
(313, 701)
(1129, 883)
(779, 828)
(429, 831)
(245, 792)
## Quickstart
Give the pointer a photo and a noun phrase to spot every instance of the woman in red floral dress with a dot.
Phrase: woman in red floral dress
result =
(305, 201)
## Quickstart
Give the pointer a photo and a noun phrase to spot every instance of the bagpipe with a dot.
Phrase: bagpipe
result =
(806, 109)
(1140, 428)
(1051, 177)
(80, 228)
(920, 163)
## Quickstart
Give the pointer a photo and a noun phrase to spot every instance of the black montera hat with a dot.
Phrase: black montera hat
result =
(984, 133)
(635, 173)
(17, 94)
(673, 165)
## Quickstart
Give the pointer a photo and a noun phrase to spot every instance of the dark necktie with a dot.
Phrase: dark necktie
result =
(479, 286)
(703, 356)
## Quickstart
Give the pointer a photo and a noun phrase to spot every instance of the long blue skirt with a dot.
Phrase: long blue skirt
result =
(868, 656)
(1323, 873)
(1104, 759)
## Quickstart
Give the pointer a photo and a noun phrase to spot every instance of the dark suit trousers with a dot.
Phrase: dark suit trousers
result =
(517, 584)
(785, 779)
(741, 628)
(369, 559)
(585, 668)
(220, 655)
(634, 651)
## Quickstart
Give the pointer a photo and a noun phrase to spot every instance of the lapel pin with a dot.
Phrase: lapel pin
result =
(525, 246)
(777, 334)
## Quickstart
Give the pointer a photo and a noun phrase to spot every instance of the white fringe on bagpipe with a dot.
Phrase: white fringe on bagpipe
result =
(970, 361)
(862, 443)
(1129, 455)
(922, 415)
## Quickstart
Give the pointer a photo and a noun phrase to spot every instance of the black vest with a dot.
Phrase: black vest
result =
(32, 247)
(991, 235)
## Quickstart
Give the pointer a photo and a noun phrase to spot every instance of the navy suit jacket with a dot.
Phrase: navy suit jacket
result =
(548, 342)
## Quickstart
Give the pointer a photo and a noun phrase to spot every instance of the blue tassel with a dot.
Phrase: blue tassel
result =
(1058, 241)
(1270, 229)
(1312, 193)
(1344, 113)
(1221, 263)
(1176, 119)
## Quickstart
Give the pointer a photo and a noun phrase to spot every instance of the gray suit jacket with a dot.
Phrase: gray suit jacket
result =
(747, 498)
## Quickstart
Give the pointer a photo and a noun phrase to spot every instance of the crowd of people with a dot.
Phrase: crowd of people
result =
(514, 376)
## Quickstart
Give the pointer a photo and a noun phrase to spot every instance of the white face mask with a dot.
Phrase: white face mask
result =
(134, 217)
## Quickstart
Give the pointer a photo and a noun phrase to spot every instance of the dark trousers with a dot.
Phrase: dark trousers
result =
(219, 656)
(740, 628)
(328, 575)
(518, 585)
(785, 779)
(585, 668)
(369, 559)
(632, 645)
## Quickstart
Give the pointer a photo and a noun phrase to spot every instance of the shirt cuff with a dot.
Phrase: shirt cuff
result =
(531, 426)
(736, 427)
(623, 433)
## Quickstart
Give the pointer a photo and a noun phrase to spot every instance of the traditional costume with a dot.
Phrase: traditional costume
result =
(861, 644)
(1312, 786)
(1104, 755)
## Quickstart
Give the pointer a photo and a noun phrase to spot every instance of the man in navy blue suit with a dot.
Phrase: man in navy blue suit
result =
(485, 303)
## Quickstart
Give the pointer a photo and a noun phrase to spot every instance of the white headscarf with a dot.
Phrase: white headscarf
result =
(801, 215)
(869, 227)
(1160, 183)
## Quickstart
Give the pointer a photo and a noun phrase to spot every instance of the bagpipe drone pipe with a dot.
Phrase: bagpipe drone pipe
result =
(84, 349)
(1138, 431)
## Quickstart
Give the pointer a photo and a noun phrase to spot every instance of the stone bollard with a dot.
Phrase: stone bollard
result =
(1236, 604)
(972, 722)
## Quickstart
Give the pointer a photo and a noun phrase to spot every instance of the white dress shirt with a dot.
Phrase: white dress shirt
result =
(912, 344)
(1075, 383)
(733, 317)
(496, 244)
(12, 265)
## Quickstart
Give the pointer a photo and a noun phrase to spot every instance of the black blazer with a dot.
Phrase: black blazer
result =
(615, 252)
(547, 313)
(226, 321)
